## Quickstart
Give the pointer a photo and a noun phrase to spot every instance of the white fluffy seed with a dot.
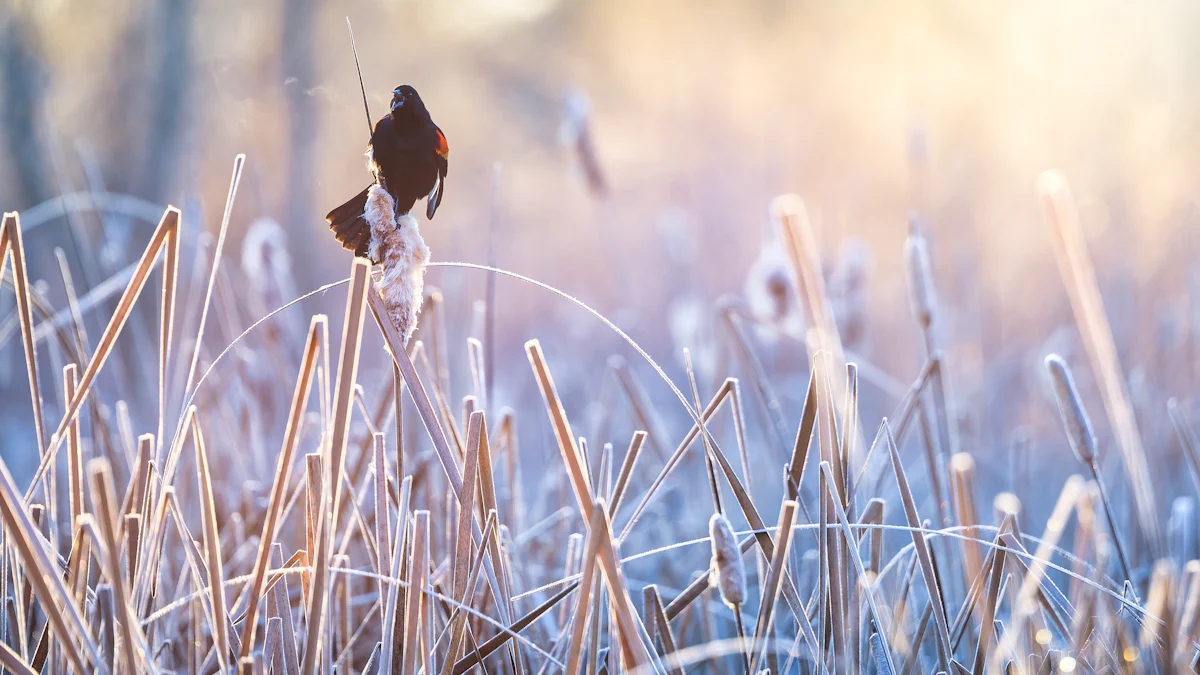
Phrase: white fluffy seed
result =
(403, 255)
(727, 571)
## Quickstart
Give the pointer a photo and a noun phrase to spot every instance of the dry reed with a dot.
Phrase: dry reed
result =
(403, 567)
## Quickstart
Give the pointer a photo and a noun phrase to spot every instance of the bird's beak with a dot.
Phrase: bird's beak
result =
(399, 99)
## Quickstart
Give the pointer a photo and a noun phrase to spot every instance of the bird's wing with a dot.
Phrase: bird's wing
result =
(379, 142)
(435, 196)
(443, 152)
(443, 167)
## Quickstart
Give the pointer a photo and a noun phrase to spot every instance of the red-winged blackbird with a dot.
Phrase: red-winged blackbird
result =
(408, 155)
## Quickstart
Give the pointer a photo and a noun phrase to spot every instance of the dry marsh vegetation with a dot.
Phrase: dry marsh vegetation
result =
(304, 506)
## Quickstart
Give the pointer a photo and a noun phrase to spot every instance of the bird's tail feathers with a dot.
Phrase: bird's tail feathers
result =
(350, 227)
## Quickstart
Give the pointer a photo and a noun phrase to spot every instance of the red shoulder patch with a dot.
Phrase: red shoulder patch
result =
(443, 148)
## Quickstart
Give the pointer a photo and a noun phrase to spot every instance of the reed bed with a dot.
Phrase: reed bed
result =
(298, 504)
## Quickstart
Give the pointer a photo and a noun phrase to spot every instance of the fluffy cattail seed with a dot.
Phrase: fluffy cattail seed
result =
(727, 572)
(921, 293)
(1070, 407)
(267, 263)
(396, 242)
(769, 286)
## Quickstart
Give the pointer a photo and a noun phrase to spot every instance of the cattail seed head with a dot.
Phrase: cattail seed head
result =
(848, 291)
(266, 261)
(768, 287)
(879, 654)
(396, 242)
(922, 295)
(576, 132)
(1070, 407)
(727, 572)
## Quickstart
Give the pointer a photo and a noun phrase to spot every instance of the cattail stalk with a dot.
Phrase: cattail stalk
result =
(962, 490)
(166, 239)
(774, 581)
(1079, 277)
(708, 451)
(923, 301)
(1083, 441)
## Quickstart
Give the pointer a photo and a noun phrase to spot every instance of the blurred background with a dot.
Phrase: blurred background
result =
(626, 152)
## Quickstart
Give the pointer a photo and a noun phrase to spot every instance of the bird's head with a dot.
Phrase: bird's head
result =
(406, 101)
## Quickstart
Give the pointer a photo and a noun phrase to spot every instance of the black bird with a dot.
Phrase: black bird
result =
(409, 156)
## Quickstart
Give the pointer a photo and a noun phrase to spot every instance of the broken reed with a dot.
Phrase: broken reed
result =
(386, 584)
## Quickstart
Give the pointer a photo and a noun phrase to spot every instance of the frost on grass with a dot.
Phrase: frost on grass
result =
(402, 254)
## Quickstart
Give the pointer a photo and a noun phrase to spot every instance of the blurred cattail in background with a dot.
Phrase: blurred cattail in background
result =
(922, 296)
(769, 293)
(575, 132)
(848, 288)
(690, 322)
(267, 266)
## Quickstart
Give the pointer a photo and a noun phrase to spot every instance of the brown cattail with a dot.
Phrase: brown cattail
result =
(921, 293)
(1070, 407)
(727, 572)
(396, 242)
